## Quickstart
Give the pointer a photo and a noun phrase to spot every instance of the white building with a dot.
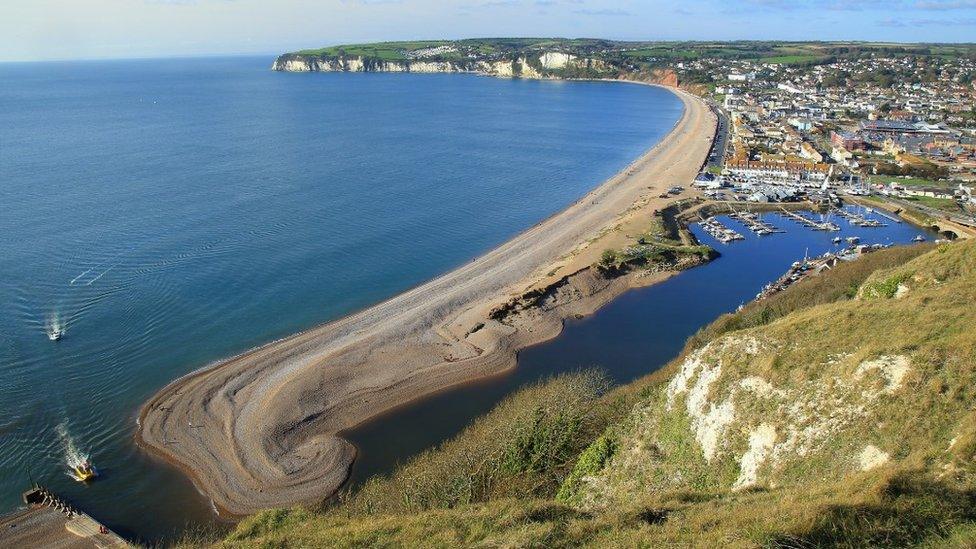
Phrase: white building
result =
(744, 77)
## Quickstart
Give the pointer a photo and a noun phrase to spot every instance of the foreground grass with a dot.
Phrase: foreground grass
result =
(518, 476)
(902, 508)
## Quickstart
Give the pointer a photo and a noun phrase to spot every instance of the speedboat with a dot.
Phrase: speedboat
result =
(54, 328)
(836, 240)
(918, 238)
(84, 471)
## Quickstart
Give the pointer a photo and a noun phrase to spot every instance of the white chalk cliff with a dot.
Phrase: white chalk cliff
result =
(541, 67)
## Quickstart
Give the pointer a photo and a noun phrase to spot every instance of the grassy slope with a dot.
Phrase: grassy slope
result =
(643, 480)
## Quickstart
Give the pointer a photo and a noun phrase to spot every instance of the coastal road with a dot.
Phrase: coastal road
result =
(716, 156)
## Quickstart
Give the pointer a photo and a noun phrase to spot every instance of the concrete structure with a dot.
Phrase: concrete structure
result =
(48, 521)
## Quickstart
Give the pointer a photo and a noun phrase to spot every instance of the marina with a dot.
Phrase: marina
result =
(823, 225)
(755, 223)
(719, 232)
(800, 270)
(858, 219)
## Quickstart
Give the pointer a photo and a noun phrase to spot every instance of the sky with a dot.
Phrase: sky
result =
(32, 30)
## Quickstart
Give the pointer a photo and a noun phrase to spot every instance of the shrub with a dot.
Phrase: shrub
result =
(525, 446)
(591, 461)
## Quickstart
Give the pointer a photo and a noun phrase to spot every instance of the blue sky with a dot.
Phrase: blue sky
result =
(86, 29)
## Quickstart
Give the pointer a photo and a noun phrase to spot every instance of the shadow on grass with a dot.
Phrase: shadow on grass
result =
(911, 510)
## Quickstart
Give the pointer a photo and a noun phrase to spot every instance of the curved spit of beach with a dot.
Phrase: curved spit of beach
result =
(260, 429)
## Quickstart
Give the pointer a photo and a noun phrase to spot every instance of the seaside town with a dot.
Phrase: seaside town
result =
(894, 129)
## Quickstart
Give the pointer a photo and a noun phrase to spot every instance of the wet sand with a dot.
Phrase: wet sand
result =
(260, 430)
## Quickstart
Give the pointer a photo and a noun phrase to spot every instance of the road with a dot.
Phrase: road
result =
(716, 157)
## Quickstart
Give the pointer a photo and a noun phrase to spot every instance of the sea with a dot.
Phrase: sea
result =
(159, 215)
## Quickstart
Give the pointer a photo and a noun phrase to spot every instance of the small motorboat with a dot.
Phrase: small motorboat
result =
(837, 240)
(918, 238)
(54, 328)
(84, 471)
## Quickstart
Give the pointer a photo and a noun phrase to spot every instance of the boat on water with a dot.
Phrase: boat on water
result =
(54, 328)
(918, 238)
(84, 471)
(837, 240)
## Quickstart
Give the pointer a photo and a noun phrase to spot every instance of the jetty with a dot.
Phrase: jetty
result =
(810, 223)
(755, 223)
(798, 271)
(49, 521)
(808, 267)
(887, 216)
(857, 219)
(719, 232)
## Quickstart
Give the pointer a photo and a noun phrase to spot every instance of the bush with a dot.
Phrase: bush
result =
(525, 446)
(592, 461)
(609, 259)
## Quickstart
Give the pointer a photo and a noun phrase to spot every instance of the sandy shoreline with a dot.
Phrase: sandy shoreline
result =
(259, 430)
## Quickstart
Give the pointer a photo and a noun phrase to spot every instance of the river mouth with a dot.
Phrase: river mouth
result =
(634, 335)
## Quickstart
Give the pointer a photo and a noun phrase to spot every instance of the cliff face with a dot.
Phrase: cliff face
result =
(544, 65)
(665, 77)
(307, 63)
(825, 393)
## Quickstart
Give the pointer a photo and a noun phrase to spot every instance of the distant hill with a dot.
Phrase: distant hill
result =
(587, 58)
(838, 412)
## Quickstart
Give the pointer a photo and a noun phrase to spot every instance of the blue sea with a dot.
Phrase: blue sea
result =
(169, 213)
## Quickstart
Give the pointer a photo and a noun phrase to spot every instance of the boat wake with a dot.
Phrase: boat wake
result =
(75, 458)
(54, 326)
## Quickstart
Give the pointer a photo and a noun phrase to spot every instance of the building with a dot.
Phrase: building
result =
(809, 152)
(847, 140)
(930, 192)
(742, 77)
(898, 127)
(790, 89)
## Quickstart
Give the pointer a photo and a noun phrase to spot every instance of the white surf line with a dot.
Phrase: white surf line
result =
(75, 279)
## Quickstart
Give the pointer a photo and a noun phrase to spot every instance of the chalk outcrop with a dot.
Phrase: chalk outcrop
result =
(806, 398)
(552, 64)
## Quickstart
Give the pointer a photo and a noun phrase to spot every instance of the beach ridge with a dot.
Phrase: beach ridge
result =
(261, 429)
